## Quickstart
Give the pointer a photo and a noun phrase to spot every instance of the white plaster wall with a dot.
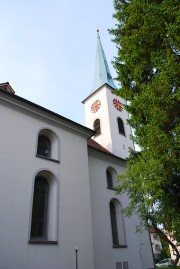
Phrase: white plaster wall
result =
(105, 255)
(19, 165)
(120, 143)
(145, 249)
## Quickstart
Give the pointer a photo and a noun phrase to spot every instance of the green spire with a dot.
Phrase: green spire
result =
(102, 72)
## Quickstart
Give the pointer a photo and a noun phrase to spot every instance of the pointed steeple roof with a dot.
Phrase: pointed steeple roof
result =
(102, 72)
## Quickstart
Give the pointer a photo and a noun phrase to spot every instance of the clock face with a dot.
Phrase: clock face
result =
(117, 104)
(95, 106)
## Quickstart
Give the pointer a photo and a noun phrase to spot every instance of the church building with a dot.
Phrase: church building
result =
(59, 207)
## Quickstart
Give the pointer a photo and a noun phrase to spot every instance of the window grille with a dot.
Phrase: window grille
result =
(44, 146)
(40, 209)
(114, 224)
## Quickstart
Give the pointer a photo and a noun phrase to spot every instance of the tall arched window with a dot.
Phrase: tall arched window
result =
(40, 209)
(44, 146)
(44, 216)
(114, 227)
(121, 126)
(97, 127)
(117, 224)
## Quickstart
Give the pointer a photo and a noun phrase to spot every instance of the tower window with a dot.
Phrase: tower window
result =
(40, 209)
(44, 146)
(121, 126)
(97, 127)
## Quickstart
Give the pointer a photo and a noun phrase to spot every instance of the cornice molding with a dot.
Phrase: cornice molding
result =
(35, 111)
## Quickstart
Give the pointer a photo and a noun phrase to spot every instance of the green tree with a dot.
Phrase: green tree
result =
(147, 65)
(165, 250)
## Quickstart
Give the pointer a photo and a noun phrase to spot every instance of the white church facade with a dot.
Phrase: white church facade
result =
(59, 208)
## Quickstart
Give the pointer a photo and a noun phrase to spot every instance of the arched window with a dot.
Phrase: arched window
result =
(44, 146)
(117, 225)
(111, 176)
(48, 145)
(40, 209)
(44, 216)
(97, 127)
(121, 126)
(109, 179)
(114, 227)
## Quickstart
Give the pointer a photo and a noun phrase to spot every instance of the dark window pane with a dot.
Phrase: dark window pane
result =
(121, 126)
(114, 224)
(109, 179)
(97, 127)
(44, 146)
(125, 265)
(40, 208)
(118, 265)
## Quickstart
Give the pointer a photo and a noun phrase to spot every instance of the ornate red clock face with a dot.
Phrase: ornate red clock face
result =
(95, 106)
(117, 104)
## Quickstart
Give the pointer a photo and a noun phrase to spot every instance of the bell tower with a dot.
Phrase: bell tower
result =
(104, 111)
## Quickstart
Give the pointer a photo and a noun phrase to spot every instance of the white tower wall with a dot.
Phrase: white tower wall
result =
(110, 138)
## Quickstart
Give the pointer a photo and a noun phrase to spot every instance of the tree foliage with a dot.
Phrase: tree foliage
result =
(165, 252)
(147, 64)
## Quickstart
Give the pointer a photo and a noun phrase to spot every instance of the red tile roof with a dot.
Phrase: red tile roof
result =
(93, 144)
(6, 87)
(151, 229)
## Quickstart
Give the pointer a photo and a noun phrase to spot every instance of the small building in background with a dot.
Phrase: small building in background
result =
(156, 244)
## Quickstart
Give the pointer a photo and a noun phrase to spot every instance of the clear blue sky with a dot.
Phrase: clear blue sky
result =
(48, 48)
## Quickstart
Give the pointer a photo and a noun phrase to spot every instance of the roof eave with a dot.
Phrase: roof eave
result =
(106, 155)
(29, 106)
(7, 87)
